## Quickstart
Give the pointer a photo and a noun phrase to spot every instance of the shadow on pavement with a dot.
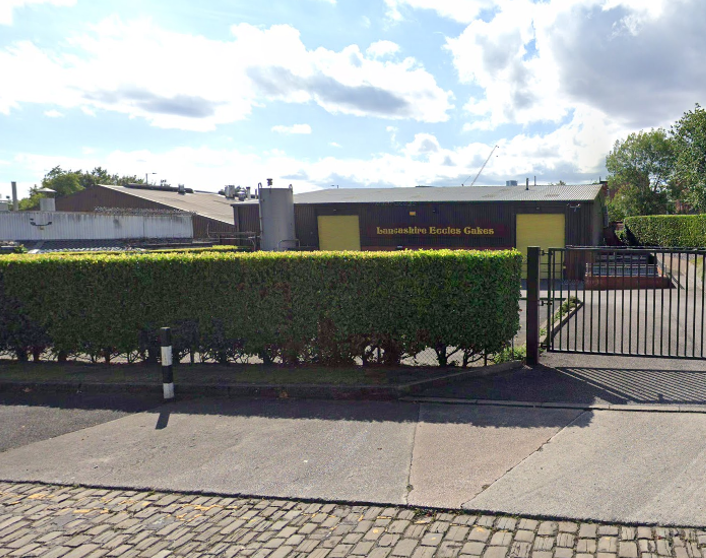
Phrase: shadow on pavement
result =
(121, 402)
(290, 409)
(31, 417)
(583, 385)
(644, 386)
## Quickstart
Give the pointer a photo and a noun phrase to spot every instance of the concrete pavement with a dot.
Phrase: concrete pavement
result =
(460, 450)
(332, 450)
(640, 466)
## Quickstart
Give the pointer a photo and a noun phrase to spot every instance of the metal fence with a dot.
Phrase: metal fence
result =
(625, 301)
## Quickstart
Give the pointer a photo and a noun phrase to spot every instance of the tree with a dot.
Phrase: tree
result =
(96, 176)
(689, 134)
(62, 182)
(641, 168)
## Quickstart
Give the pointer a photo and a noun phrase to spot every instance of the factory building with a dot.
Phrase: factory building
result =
(478, 217)
(212, 213)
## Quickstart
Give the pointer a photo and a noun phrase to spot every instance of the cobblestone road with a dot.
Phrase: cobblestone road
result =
(76, 522)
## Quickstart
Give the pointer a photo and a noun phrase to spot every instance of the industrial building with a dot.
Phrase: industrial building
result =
(50, 230)
(212, 213)
(478, 217)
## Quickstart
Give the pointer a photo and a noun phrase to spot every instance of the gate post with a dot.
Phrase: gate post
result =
(533, 305)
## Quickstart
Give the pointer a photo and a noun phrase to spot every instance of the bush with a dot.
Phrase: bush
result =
(668, 231)
(324, 307)
(510, 354)
(622, 236)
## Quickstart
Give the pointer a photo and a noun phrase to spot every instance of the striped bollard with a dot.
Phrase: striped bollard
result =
(167, 372)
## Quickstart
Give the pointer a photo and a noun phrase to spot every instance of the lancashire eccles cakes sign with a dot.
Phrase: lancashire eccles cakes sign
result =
(468, 230)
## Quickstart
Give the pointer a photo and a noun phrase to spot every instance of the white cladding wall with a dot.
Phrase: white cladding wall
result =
(64, 225)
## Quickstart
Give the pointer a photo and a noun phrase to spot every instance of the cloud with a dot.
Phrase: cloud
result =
(575, 152)
(423, 144)
(294, 129)
(334, 144)
(634, 63)
(463, 11)
(646, 65)
(148, 102)
(53, 113)
(8, 6)
(381, 49)
(329, 93)
(177, 80)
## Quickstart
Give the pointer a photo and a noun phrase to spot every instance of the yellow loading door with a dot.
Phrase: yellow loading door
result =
(539, 229)
(339, 232)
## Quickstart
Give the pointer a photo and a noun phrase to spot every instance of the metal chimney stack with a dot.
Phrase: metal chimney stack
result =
(15, 201)
(276, 218)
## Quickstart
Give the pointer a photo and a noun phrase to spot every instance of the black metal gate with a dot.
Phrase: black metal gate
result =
(624, 301)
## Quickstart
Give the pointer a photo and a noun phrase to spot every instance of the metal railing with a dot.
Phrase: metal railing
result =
(626, 301)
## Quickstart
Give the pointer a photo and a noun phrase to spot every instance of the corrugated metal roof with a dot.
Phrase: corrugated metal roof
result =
(577, 192)
(208, 204)
(45, 246)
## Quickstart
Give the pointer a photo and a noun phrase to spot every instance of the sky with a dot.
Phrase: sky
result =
(347, 93)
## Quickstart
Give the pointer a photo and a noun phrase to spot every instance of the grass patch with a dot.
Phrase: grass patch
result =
(212, 374)
(511, 354)
(568, 306)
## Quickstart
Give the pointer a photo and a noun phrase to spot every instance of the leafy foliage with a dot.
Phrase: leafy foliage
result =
(690, 168)
(641, 167)
(510, 354)
(316, 307)
(668, 231)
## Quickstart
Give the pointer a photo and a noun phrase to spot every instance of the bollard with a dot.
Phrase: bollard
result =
(167, 372)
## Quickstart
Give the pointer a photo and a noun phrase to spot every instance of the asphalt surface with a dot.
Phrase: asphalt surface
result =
(28, 417)
(603, 465)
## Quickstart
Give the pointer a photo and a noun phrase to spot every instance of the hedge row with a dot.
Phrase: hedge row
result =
(668, 231)
(325, 307)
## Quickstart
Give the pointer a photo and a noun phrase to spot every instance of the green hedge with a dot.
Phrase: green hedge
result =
(325, 307)
(668, 231)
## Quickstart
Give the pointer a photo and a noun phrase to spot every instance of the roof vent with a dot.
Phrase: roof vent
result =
(511, 183)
